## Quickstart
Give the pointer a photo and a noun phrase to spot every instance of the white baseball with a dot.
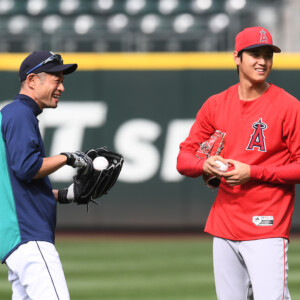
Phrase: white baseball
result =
(223, 167)
(100, 163)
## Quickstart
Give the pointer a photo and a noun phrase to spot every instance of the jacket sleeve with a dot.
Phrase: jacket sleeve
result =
(22, 144)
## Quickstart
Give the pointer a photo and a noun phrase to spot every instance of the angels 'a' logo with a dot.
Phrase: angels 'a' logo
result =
(258, 138)
(263, 37)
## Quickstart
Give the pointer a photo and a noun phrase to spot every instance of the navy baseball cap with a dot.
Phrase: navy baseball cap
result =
(44, 61)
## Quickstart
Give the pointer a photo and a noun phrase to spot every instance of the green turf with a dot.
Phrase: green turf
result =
(143, 269)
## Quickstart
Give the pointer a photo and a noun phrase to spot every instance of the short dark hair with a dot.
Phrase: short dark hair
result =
(241, 57)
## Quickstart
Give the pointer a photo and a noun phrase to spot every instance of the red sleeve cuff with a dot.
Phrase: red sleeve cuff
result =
(189, 165)
(255, 171)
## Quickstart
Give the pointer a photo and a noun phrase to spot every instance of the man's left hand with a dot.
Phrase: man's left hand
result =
(239, 175)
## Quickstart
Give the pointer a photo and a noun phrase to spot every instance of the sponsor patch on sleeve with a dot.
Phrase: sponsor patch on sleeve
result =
(263, 220)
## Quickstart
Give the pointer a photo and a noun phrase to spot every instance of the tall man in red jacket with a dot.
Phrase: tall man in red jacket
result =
(251, 216)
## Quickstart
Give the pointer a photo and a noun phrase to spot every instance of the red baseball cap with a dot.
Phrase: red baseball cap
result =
(253, 37)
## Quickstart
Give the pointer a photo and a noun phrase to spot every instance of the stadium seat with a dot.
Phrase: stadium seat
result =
(218, 22)
(12, 7)
(150, 25)
(84, 24)
(183, 23)
(140, 7)
(19, 24)
(52, 23)
(173, 7)
(36, 7)
(104, 6)
(6, 6)
(73, 7)
(118, 23)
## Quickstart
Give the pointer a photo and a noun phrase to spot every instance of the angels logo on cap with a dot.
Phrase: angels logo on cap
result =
(263, 37)
(253, 37)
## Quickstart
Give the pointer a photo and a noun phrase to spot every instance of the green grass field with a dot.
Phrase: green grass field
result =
(156, 268)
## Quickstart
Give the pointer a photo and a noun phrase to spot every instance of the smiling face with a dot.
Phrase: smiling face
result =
(255, 64)
(48, 88)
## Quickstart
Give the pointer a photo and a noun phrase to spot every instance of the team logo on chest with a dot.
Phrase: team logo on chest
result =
(257, 139)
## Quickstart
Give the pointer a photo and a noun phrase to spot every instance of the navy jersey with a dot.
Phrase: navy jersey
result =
(27, 205)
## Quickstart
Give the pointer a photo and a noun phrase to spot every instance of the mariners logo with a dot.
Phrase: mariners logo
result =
(257, 139)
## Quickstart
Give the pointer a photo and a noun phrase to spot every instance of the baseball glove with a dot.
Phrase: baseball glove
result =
(213, 146)
(90, 184)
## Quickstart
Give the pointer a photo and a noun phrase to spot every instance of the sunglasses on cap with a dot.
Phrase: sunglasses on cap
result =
(54, 57)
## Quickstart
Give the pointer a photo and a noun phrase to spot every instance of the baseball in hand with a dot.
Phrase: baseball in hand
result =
(100, 163)
(223, 167)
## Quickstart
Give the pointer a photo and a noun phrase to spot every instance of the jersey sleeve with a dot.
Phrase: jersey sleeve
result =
(288, 173)
(188, 163)
(19, 130)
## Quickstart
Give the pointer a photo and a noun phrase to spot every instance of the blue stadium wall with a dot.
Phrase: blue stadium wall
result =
(141, 105)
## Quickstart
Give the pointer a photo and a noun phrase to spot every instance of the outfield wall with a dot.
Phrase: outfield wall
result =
(141, 105)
